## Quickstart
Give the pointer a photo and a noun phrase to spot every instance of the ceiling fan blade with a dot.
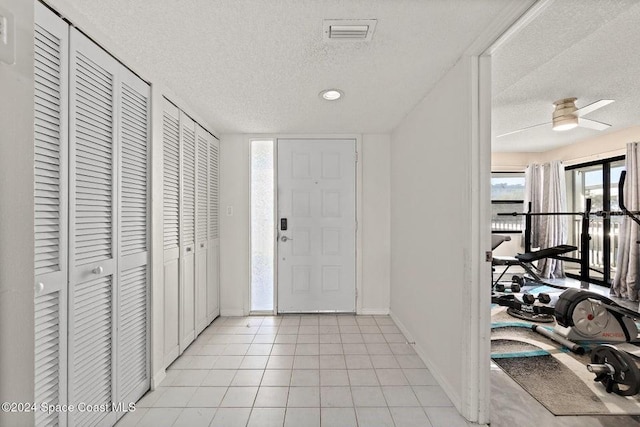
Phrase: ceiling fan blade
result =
(592, 124)
(523, 129)
(593, 107)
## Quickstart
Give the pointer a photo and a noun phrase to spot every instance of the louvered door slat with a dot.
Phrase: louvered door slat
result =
(187, 286)
(188, 182)
(213, 192)
(132, 341)
(171, 179)
(214, 244)
(133, 369)
(92, 341)
(202, 187)
(202, 226)
(47, 183)
(134, 172)
(95, 157)
(51, 38)
(94, 226)
(47, 354)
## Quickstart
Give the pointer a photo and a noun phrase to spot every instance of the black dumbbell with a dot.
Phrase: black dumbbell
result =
(515, 287)
(530, 299)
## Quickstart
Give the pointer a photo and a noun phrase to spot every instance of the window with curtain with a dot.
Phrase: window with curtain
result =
(597, 181)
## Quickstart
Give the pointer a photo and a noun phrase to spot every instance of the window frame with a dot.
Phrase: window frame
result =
(518, 202)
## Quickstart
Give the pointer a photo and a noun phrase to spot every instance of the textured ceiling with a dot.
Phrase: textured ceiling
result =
(258, 66)
(586, 49)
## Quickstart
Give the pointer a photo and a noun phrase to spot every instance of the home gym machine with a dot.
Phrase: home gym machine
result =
(584, 317)
(587, 317)
(526, 259)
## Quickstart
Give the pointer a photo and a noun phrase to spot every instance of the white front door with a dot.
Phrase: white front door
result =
(316, 225)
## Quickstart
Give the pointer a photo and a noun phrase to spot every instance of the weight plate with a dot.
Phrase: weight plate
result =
(625, 380)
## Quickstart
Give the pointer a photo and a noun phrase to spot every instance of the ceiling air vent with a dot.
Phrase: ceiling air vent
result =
(348, 29)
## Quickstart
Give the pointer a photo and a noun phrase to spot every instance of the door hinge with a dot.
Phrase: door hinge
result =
(357, 156)
(488, 256)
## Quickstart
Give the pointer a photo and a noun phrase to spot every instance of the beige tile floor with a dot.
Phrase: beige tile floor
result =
(322, 370)
(308, 370)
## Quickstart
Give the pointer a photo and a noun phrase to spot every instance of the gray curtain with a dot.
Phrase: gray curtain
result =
(545, 188)
(533, 195)
(626, 283)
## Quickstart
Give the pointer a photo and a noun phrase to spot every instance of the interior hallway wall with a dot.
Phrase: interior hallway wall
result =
(376, 223)
(235, 249)
(16, 219)
(431, 221)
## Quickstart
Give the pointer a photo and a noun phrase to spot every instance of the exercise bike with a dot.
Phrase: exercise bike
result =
(587, 317)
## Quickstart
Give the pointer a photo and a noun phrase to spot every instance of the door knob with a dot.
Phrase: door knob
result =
(285, 238)
(98, 270)
(39, 287)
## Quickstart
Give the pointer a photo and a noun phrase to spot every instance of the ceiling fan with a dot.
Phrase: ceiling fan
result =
(566, 116)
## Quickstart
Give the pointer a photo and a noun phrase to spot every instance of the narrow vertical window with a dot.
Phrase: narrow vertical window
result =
(262, 225)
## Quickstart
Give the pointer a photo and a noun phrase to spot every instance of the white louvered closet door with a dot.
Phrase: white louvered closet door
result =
(133, 374)
(93, 229)
(213, 269)
(171, 229)
(187, 229)
(202, 223)
(51, 191)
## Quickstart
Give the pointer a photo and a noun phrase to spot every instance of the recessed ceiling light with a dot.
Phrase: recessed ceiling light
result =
(331, 94)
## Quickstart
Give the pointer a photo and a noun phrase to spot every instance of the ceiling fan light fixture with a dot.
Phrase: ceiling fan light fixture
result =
(564, 115)
(565, 123)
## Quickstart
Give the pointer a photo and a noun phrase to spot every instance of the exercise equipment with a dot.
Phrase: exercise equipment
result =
(558, 252)
(583, 316)
(516, 285)
(587, 317)
(525, 261)
(542, 297)
(524, 311)
(615, 369)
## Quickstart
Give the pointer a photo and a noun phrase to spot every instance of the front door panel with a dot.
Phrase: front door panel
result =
(316, 243)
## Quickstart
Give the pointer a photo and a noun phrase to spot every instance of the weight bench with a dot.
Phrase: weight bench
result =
(526, 259)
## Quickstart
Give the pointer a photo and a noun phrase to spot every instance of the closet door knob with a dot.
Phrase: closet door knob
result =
(98, 270)
(39, 287)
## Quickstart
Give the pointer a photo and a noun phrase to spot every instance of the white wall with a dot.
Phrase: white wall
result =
(431, 223)
(376, 224)
(235, 257)
(235, 267)
(16, 219)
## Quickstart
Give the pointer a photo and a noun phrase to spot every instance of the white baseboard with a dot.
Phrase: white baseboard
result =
(233, 312)
(157, 378)
(374, 311)
(446, 386)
